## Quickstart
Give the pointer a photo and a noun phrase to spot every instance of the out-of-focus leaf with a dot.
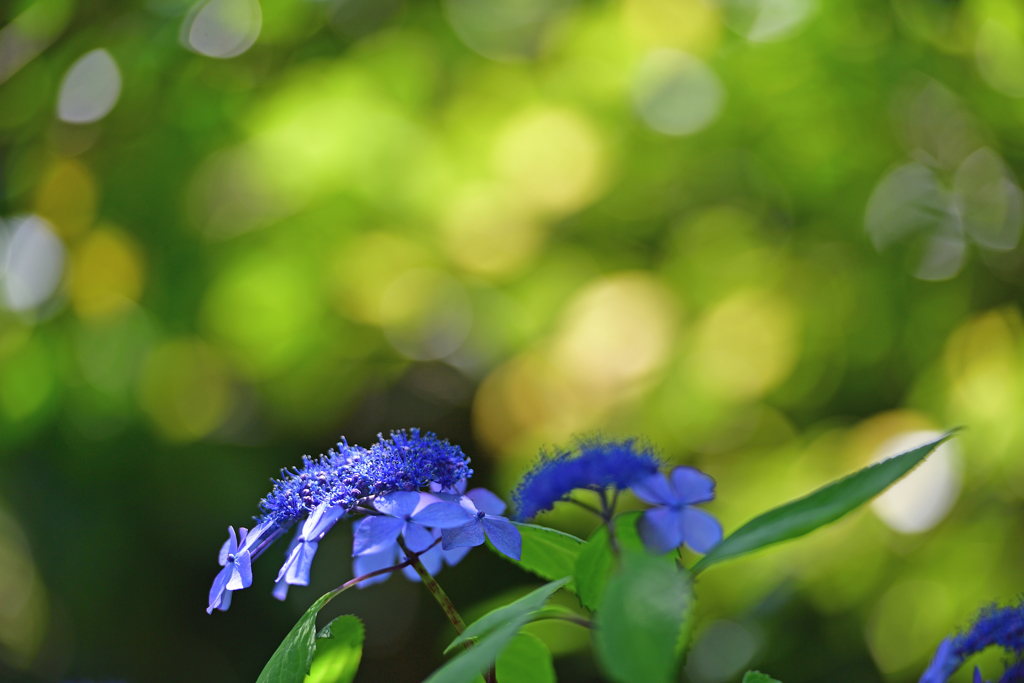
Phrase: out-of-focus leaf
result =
(825, 505)
(596, 561)
(338, 652)
(526, 660)
(758, 677)
(524, 607)
(643, 611)
(547, 553)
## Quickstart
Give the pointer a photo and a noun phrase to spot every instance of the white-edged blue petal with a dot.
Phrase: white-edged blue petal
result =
(486, 502)
(218, 589)
(240, 571)
(505, 537)
(321, 520)
(298, 571)
(442, 515)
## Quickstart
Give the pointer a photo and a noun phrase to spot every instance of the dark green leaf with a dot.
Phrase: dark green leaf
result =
(524, 608)
(825, 505)
(758, 677)
(526, 660)
(290, 662)
(337, 657)
(642, 613)
(547, 553)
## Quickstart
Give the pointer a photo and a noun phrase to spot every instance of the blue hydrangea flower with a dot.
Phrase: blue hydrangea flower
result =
(326, 489)
(406, 513)
(485, 508)
(1002, 626)
(675, 521)
(594, 464)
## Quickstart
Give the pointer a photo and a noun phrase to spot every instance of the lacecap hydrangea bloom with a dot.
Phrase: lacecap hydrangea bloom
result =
(994, 625)
(598, 465)
(384, 483)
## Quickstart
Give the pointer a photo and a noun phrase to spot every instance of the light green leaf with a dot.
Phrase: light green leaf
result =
(337, 657)
(524, 608)
(758, 677)
(526, 660)
(290, 662)
(643, 611)
(596, 561)
(466, 667)
(548, 553)
(825, 505)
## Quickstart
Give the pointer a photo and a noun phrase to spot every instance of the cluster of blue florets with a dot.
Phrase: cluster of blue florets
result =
(593, 463)
(995, 625)
(407, 461)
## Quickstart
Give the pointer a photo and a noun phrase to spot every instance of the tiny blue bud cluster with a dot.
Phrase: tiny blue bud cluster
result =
(593, 463)
(1001, 626)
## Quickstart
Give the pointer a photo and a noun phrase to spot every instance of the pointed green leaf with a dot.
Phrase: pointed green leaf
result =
(467, 666)
(643, 611)
(825, 505)
(547, 553)
(596, 562)
(337, 658)
(526, 660)
(290, 662)
(758, 677)
(524, 607)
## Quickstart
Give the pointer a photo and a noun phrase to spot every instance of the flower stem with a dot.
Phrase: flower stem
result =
(442, 599)
(608, 515)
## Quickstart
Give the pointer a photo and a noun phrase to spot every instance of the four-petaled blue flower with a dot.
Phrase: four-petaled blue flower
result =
(237, 571)
(485, 508)
(406, 513)
(674, 521)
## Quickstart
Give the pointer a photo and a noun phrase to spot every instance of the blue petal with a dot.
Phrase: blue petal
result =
(255, 534)
(398, 504)
(655, 490)
(374, 534)
(943, 664)
(239, 572)
(217, 590)
(230, 547)
(418, 538)
(660, 530)
(486, 502)
(225, 601)
(454, 556)
(468, 535)
(432, 561)
(280, 590)
(701, 531)
(364, 564)
(505, 537)
(442, 516)
(692, 486)
(298, 571)
(321, 521)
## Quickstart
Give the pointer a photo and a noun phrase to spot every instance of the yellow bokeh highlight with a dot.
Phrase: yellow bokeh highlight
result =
(552, 158)
(67, 196)
(24, 607)
(689, 25)
(907, 622)
(364, 269)
(185, 389)
(107, 273)
(746, 345)
(487, 231)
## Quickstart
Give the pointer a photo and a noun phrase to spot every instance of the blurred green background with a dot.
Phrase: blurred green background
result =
(778, 238)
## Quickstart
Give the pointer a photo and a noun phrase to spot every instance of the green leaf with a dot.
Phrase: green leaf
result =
(468, 665)
(526, 660)
(337, 658)
(643, 611)
(547, 553)
(825, 505)
(758, 677)
(596, 561)
(524, 607)
(290, 662)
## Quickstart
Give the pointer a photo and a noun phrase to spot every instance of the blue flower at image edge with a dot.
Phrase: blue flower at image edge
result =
(994, 625)
(674, 520)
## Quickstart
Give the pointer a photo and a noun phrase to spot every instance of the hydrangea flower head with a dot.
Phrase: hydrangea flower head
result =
(994, 625)
(593, 463)
(675, 521)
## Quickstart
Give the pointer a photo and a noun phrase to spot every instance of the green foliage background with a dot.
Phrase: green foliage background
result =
(393, 213)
